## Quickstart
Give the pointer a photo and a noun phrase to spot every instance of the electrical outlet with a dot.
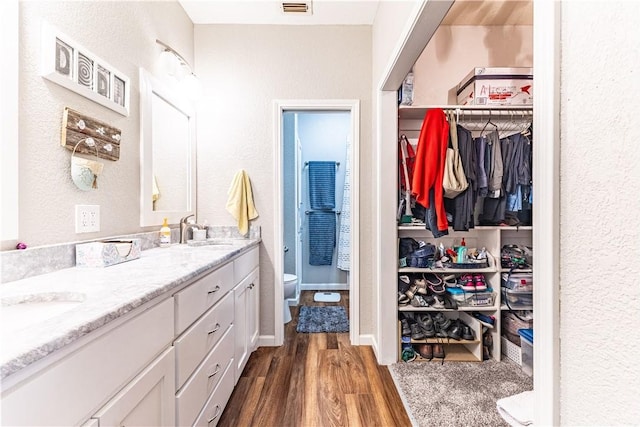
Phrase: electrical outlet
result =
(87, 218)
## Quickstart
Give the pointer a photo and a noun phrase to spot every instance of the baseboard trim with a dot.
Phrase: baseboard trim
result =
(267, 341)
(324, 286)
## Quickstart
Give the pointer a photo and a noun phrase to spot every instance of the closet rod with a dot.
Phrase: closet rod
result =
(469, 107)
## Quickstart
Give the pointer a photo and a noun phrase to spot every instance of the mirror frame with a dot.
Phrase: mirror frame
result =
(150, 86)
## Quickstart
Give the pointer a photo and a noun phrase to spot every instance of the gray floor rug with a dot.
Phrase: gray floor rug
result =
(322, 319)
(457, 393)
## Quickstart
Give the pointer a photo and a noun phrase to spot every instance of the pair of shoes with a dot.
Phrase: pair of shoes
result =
(455, 331)
(487, 339)
(438, 351)
(450, 281)
(466, 282)
(404, 283)
(416, 332)
(403, 299)
(486, 320)
(419, 301)
(406, 328)
(485, 353)
(467, 332)
(421, 286)
(441, 325)
(479, 282)
(472, 282)
(408, 354)
(425, 322)
(460, 330)
(424, 350)
(449, 302)
(435, 283)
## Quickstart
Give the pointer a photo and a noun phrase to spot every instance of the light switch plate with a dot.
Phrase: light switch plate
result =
(87, 218)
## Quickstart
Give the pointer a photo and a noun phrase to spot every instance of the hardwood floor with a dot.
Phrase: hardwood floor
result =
(316, 379)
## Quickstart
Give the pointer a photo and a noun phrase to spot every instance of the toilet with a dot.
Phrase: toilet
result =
(290, 282)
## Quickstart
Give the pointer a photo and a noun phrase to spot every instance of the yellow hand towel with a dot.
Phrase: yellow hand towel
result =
(240, 201)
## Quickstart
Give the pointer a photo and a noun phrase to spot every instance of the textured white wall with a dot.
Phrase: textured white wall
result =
(455, 50)
(600, 205)
(244, 68)
(123, 34)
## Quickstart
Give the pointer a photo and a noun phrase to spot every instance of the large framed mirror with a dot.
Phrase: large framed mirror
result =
(167, 153)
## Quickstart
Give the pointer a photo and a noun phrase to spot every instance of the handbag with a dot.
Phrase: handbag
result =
(454, 181)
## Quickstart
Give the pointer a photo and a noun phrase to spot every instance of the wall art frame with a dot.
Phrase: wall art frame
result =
(67, 63)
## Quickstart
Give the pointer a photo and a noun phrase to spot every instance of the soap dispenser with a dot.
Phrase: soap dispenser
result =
(165, 234)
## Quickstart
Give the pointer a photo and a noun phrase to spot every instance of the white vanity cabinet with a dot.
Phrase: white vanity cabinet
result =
(129, 359)
(204, 343)
(145, 401)
(247, 305)
(168, 362)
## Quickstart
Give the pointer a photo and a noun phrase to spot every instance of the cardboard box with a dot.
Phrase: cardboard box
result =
(496, 86)
(107, 252)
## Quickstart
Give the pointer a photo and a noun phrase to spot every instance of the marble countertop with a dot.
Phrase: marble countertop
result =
(84, 299)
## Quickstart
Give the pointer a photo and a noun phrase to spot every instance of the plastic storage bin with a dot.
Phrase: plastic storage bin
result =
(472, 298)
(526, 344)
(516, 300)
(520, 282)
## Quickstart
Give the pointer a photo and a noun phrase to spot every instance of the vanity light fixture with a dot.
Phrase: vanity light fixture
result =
(177, 66)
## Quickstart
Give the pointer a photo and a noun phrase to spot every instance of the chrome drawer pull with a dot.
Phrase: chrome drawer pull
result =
(214, 329)
(216, 289)
(218, 411)
(216, 371)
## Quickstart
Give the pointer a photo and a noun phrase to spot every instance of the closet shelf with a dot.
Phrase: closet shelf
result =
(446, 270)
(493, 307)
(417, 112)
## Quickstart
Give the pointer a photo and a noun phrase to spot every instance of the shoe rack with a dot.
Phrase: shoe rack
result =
(454, 350)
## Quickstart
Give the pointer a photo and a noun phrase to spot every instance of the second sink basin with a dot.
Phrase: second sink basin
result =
(20, 311)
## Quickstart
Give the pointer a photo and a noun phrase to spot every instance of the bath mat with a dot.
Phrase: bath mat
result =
(322, 319)
(326, 297)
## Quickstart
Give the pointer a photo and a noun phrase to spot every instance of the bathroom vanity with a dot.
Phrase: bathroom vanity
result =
(157, 341)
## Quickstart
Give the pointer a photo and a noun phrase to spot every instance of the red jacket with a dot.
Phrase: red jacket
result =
(430, 160)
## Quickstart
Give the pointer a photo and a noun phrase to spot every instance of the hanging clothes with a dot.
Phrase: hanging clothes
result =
(429, 170)
(464, 203)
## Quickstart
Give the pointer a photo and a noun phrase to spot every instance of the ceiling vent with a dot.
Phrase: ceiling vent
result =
(297, 7)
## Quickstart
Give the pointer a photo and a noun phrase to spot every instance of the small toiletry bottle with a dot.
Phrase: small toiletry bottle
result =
(462, 252)
(165, 235)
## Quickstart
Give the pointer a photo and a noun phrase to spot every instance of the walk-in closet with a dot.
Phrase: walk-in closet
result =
(476, 271)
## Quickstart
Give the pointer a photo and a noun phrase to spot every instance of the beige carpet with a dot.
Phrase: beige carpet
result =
(457, 393)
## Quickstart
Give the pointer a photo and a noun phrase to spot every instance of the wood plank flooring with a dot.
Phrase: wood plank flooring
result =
(314, 380)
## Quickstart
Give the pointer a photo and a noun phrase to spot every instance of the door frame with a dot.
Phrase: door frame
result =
(353, 107)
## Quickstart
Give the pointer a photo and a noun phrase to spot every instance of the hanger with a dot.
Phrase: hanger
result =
(489, 122)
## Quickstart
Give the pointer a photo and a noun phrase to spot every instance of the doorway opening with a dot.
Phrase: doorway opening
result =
(316, 225)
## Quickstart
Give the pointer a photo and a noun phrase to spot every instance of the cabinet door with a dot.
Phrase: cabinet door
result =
(148, 400)
(241, 351)
(246, 319)
(253, 313)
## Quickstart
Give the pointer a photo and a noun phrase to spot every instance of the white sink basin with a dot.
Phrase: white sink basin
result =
(20, 311)
(212, 242)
